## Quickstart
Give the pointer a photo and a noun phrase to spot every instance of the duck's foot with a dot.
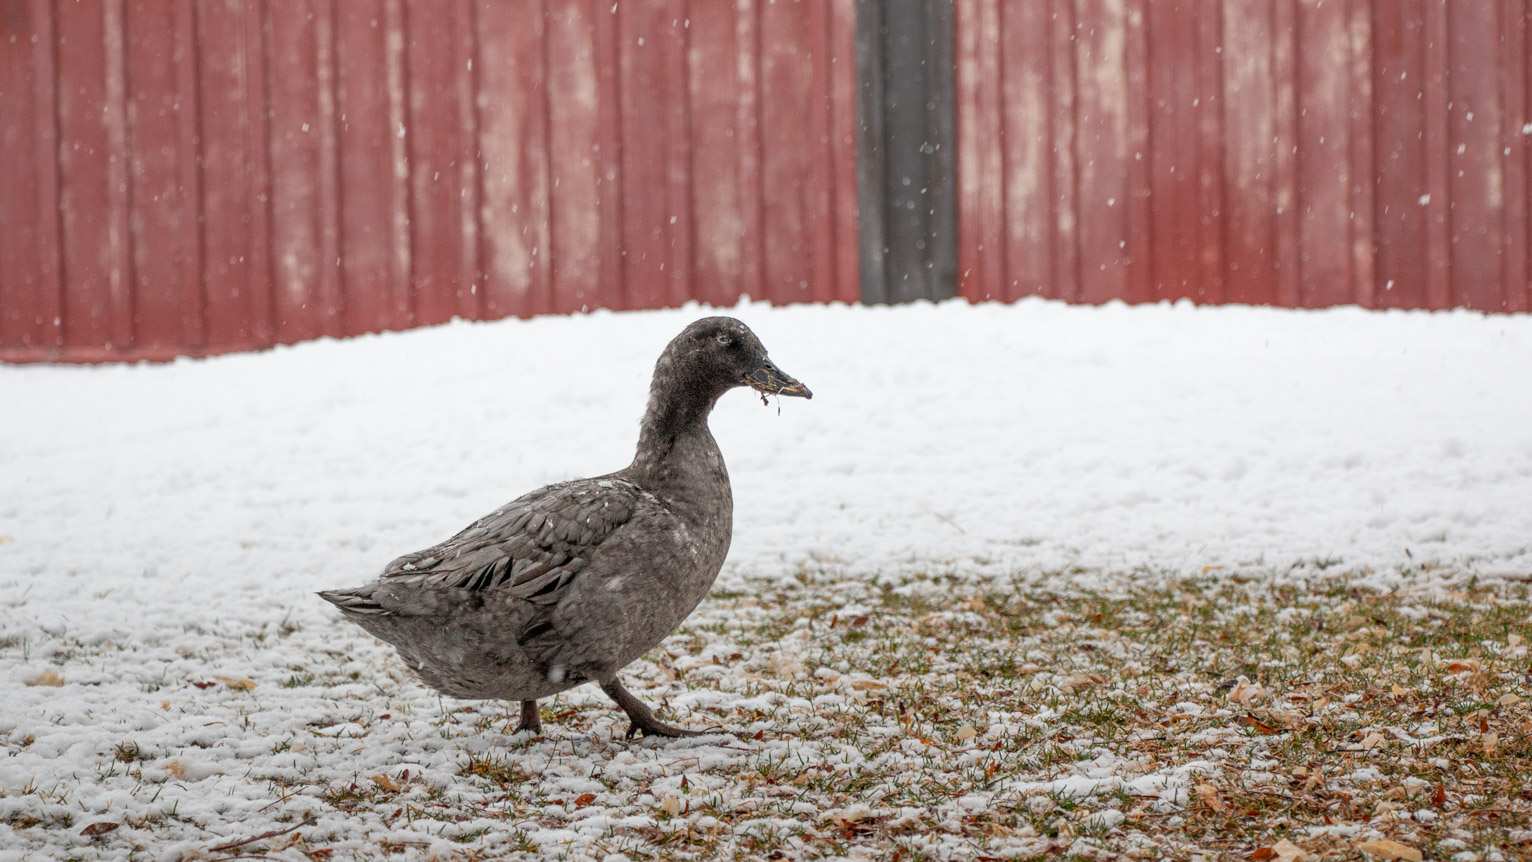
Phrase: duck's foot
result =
(640, 717)
(531, 721)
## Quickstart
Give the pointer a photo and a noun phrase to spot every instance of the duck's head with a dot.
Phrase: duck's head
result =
(720, 353)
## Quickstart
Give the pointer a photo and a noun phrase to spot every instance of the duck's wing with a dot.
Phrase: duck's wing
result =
(531, 549)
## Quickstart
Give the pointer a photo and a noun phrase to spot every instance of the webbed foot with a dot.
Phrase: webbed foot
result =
(641, 718)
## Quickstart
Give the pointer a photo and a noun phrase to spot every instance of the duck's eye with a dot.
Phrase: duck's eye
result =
(725, 339)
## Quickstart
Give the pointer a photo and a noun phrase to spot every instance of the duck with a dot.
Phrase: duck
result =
(572, 582)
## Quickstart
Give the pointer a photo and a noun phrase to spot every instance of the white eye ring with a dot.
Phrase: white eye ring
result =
(724, 339)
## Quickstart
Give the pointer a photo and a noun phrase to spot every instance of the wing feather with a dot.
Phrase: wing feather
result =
(531, 548)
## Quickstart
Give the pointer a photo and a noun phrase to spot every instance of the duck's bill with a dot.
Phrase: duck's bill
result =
(770, 379)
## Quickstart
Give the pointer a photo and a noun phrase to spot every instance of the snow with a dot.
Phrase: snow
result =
(166, 524)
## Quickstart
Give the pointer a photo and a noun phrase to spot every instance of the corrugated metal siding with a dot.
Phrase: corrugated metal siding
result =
(1288, 152)
(194, 177)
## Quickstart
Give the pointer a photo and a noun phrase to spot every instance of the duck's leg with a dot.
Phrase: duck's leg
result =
(640, 716)
(530, 720)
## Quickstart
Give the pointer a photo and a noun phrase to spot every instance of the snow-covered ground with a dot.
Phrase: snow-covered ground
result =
(167, 524)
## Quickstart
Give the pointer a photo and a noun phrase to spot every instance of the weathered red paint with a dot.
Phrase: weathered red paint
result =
(186, 177)
(1284, 152)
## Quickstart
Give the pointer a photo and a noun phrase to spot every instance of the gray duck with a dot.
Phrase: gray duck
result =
(572, 582)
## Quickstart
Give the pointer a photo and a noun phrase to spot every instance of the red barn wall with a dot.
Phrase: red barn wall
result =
(1284, 152)
(185, 177)
(198, 176)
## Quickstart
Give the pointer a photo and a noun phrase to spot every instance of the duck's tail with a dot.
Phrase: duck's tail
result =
(356, 602)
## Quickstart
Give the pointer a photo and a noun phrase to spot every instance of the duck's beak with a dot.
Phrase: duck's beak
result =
(770, 379)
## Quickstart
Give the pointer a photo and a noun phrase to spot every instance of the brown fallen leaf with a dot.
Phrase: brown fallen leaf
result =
(1287, 851)
(1439, 798)
(96, 830)
(384, 781)
(234, 682)
(584, 799)
(47, 678)
(1259, 725)
(1245, 691)
(1385, 849)
(1075, 682)
(1209, 796)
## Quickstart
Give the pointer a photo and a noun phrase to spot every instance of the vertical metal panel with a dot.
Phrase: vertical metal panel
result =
(580, 163)
(439, 55)
(1399, 82)
(293, 143)
(1324, 167)
(31, 312)
(513, 135)
(654, 193)
(1363, 156)
(1437, 203)
(983, 176)
(1475, 166)
(842, 186)
(786, 106)
(373, 298)
(1514, 70)
(164, 204)
(1250, 120)
(232, 137)
(1101, 57)
(715, 92)
(908, 177)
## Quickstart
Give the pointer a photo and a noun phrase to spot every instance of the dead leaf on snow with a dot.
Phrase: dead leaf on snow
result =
(671, 805)
(1245, 691)
(1259, 725)
(584, 799)
(854, 813)
(868, 685)
(1508, 699)
(1209, 796)
(1075, 682)
(965, 733)
(1491, 742)
(1385, 849)
(385, 782)
(96, 830)
(1287, 851)
(235, 683)
(47, 678)
(1373, 740)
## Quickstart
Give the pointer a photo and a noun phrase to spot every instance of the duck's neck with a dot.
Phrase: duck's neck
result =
(674, 427)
